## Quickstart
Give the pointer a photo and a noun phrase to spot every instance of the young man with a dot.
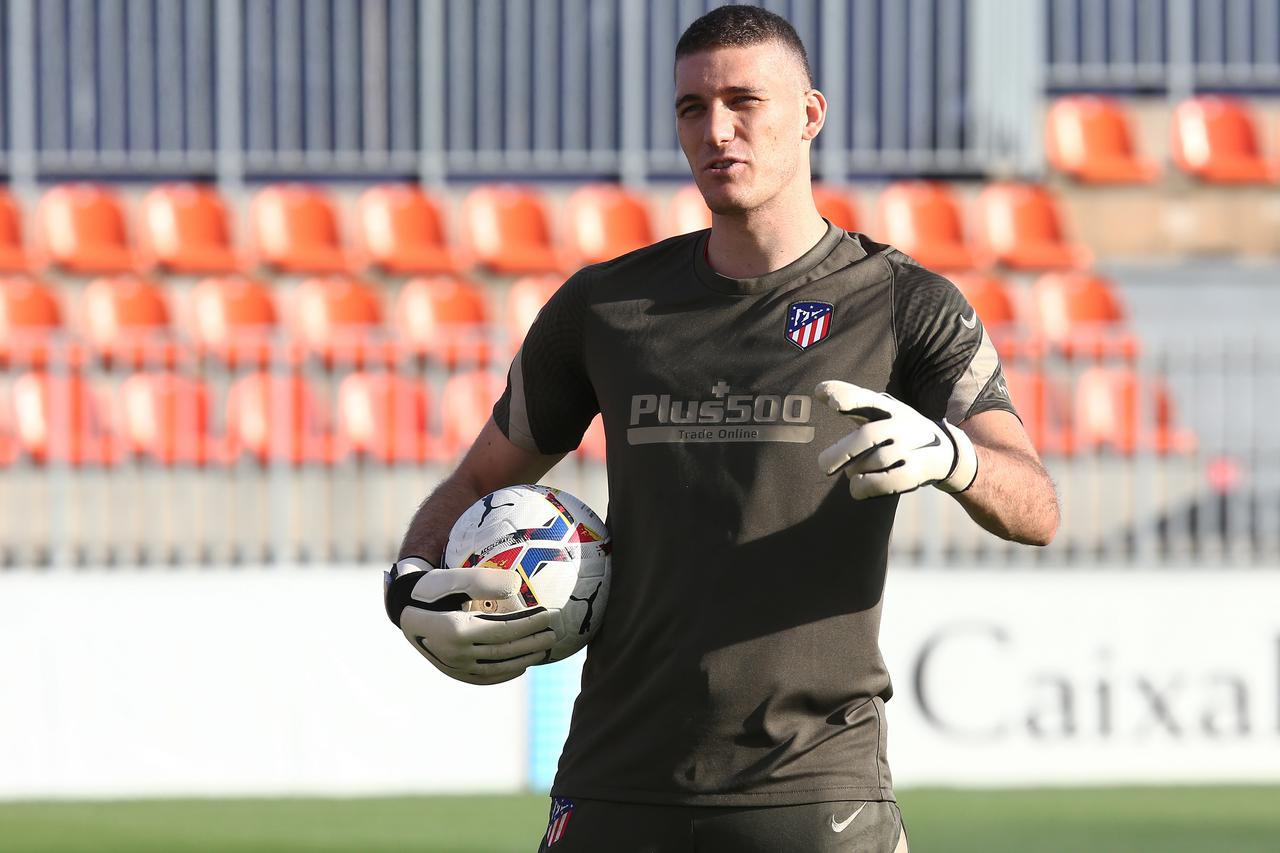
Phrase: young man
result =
(734, 698)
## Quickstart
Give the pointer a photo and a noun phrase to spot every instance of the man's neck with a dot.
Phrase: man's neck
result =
(757, 242)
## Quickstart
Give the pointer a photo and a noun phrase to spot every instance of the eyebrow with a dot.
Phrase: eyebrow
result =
(730, 90)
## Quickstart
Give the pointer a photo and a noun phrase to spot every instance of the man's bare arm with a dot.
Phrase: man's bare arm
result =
(1013, 496)
(491, 463)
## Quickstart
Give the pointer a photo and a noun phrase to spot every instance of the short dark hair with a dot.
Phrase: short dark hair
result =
(742, 26)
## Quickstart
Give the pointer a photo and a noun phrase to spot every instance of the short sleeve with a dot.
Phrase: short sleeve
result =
(946, 365)
(549, 401)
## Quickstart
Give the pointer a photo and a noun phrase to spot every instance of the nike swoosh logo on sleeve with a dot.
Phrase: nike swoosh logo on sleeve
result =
(970, 321)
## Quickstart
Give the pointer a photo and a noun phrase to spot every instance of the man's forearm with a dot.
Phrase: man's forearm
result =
(428, 532)
(1013, 497)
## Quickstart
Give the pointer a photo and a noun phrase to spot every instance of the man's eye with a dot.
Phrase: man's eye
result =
(688, 111)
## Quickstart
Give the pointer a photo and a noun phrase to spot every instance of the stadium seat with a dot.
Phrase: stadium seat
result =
(1215, 139)
(604, 221)
(1119, 411)
(339, 319)
(836, 207)
(525, 298)
(13, 254)
(81, 228)
(1045, 409)
(1090, 138)
(232, 319)
(125, 320)
(275, 417)
(687, 212)
(1021, 228)
(443, 318)
(401, 231)
(466, 404)
(30, 318)
(508, 230)
(922, 219)
(295, 229)
(385, 417)
(62, 419)
(992, 298)
(185, 228)
(1080, 314)
(165, 418)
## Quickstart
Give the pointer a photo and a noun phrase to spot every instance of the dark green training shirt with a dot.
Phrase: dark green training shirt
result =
(738, 661)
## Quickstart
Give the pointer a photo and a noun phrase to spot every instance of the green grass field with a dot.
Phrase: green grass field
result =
(1161, 820)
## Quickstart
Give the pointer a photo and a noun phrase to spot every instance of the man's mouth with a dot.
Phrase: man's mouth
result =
(724, 164)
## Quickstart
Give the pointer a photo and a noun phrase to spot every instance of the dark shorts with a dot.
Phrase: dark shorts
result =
(595, 826)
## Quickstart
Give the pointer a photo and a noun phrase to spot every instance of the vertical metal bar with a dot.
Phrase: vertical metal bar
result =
(83, 80)
(1238, 24)
(893, 84)
(51, 78)
(1065, 57)
(951, 96)
(1093, 44)
(110, 73)
(140, 76)
(488, 34)
(317, 131)
(169, 104)
(462, 84)
(575, 93)
(199, 82)
(545, 96)
(833, 153)
(402, 70)
(630, 26)
(864, 64)
(1122, 55)
(1181, 69)
(920, 90)
(517, 84)
(432, 64)
(375, 112)
(661, 140)
(346, 84)
(258, 90)
(287, 59)
(229, 101)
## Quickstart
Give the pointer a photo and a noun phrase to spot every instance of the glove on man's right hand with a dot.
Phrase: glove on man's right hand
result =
(478, 648)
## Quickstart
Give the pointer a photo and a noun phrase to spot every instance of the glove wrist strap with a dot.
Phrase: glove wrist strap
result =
(398, 584)
(964, 470)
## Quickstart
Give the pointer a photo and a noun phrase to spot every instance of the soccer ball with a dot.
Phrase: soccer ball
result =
(555, 542)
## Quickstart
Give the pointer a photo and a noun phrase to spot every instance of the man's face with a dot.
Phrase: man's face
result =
(741, 117)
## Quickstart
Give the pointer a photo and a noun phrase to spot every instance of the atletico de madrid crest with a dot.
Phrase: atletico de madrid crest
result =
(808, 322)
(561, 811)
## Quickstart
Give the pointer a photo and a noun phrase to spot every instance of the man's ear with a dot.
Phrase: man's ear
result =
(815, 108)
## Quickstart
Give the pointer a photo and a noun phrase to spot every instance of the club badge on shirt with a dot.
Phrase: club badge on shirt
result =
(561, 811)
(808, 322)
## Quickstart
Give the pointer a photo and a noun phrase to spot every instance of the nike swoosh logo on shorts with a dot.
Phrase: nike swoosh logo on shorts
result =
(839, 826)
(970, 321)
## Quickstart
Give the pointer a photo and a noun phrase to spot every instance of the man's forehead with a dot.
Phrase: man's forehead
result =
(757, 66)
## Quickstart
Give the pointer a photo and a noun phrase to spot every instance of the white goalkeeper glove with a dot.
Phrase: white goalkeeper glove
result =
(425, 603)
(893, 448)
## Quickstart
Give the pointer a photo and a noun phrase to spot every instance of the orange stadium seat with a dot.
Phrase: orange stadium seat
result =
(233, 319)
(13, 256)
(125, 319)
(836, 207)
(687, 212)
(922, 218)
(1118, 410)
(385, 417)
(81, 228)
(508, 230)
(444, 318)
(29, 318)
(466, 403)
(604, 221)
(1021, 228)
(1045, 408)
(1080, 314)
(279, 418)
(401, 230)
(1215, 139)
(1090, 138)
(525, 298)
(295, 229)
(185, 228)
(339, 319)
(62, 419)
(165, 418)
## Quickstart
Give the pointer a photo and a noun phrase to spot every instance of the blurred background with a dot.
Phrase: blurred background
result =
(263, 266)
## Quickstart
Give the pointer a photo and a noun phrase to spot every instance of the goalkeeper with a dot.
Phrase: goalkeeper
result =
(769, 387)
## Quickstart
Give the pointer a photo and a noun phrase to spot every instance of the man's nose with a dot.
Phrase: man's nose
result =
(720, 127)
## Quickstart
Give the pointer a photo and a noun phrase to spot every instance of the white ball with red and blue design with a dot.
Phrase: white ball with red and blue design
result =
(559, 547)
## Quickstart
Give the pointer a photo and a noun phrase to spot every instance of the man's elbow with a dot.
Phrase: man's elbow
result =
(1042, 528)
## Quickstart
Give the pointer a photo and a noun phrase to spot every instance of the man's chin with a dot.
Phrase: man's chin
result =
(725, 204)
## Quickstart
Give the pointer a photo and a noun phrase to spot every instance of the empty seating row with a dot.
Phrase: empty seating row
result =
(169, 418)
(1212, 138)
(295, 228)
(129, 320)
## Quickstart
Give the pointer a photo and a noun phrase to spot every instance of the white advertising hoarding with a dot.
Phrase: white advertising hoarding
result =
(1059, 677)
